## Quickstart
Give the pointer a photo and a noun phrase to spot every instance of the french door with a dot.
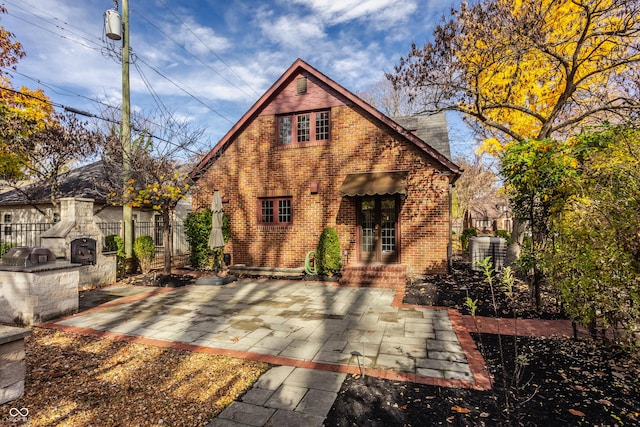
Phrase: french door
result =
(378, 229)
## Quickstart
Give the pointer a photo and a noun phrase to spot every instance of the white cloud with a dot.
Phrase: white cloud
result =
(291, 31)
(200, 40)
(338, 12)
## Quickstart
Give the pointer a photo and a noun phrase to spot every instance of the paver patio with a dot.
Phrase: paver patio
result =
(298, 323)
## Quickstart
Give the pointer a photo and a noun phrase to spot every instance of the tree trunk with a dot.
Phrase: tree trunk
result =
(514, 248)
(167, 241)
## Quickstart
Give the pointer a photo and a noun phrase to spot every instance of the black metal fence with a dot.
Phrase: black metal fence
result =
(180, 247)
(27, 234)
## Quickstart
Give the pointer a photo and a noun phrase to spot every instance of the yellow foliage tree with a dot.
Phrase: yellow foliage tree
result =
(530, 69)
(22, 112)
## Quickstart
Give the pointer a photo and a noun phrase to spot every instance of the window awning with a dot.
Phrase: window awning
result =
(374, 183)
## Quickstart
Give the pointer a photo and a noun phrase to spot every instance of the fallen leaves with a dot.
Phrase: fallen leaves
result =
(460, 409)
(604, 402)
(75, 380)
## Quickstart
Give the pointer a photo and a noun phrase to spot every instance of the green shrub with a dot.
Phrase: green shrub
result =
(4, 248)
(328, 256)
(197, 228)
(145, 252)
(114, 243)
(466, 235)
(504, 234)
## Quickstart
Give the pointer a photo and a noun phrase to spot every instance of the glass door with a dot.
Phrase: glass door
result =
(377, 225)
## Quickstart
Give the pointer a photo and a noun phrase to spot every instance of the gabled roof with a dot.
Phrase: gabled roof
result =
(356, 102)
(83, 182)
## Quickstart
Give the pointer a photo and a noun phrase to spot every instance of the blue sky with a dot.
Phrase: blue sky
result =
(208, 61)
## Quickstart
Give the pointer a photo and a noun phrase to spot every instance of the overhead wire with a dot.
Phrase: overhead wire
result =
(144, 78)
(92, 115)
(56, 89)
(55, 33)
(161, 74)
(208, 47)
(55, 18)
(193, 55)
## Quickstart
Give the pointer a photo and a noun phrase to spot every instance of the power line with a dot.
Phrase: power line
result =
(184, 90)
(58, 34)
(192, 54)
(74, 110)
(93, 100)
(209, 48)
(31, 6)
(181, 88)
(152, 91)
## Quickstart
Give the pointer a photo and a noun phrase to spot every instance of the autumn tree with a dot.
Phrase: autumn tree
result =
(159, 172)
(524, 70)
(529, 69)
(19, 114)
(594, 258)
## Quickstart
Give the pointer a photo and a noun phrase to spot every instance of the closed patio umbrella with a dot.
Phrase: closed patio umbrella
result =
(215, 239)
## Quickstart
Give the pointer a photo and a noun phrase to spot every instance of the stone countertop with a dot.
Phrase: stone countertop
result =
(11, 333)
(55, 265)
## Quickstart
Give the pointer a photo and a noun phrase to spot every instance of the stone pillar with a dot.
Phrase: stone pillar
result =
(12, 365)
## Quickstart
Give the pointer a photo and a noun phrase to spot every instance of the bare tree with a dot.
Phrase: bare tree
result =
(49, 151)
(478, 182)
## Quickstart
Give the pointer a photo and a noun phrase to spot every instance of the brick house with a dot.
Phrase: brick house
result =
(489, 215)
(310, 154)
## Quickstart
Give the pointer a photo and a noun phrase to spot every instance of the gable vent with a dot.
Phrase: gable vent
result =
(302, 85)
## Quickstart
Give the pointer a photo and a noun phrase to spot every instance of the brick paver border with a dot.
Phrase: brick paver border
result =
(462, 325)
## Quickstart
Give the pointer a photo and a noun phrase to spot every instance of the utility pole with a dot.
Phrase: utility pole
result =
(116, 29)
(126, 137)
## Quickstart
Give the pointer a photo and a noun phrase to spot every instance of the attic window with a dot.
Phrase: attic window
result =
(303, 128)
(302, 85)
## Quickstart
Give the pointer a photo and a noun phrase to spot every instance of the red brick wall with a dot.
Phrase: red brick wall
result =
(254, 165)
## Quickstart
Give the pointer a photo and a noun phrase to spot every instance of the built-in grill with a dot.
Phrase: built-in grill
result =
(83, 251)
(25, 256)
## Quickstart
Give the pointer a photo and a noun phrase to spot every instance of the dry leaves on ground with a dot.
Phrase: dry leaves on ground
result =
(75, 380)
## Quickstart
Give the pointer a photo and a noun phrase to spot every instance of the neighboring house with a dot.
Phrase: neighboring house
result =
(86, 182)
(490, 215)
(310, 154)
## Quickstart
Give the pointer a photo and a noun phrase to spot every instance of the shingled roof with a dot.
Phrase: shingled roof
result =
(84, 182)
(430, 128)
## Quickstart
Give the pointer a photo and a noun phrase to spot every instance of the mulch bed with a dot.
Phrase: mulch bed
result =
(555, 382)
(173, 280)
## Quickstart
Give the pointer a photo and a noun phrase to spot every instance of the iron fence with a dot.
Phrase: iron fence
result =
(179, 245)
(26, 234)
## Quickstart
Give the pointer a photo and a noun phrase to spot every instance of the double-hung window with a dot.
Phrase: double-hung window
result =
(276, 211)
(304, 127)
